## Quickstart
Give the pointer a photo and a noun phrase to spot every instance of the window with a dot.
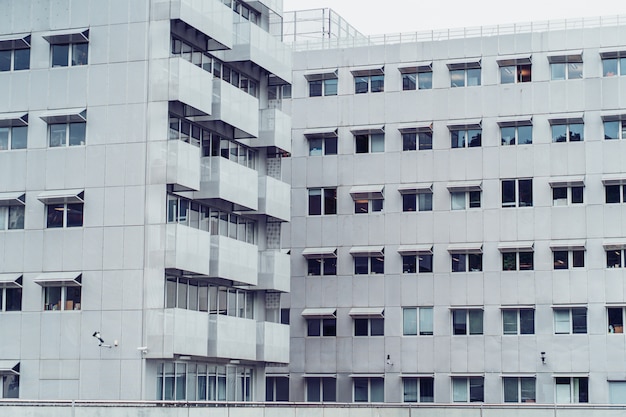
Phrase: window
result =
(518, 321)
(519, 389)
(613, 63)
(369, 143)
(515, 70)
(370, 390)
(321, 389)
(571, 390)
(418, 77)
(15, 54)
(323, 87)
(64, 215)
(565, 259)
(418, 390)
(13, 137)
(322, 266)
(517, 261)
(516, 133)
(468, 389)
(368, 206)
(367, 199)
(617, 392)
(422, 140)
(566, 67)
(321, 326)
(517, 193)
(417, 197)
(12, 211)
(364, 265)
(465, 138)
(10, 385)
(417, 321)
(10, 293)
(464, 74)
(615, 193)
(570, 320)
(466, 260)
(422, 262)
(276, 388)
(69, 49)
(567, 132)
(323, 146)
(563, 195)
(461, 200)
(327, 206)
(615, 319)
(614, 129)
(615, 258)
(369, 326)
(370, 80)
(62, 297)
(67, 134)
(467, 321)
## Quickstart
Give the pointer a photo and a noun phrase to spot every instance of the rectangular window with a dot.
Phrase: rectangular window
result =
(64, 215)
(570, 320)
(517, 193)
(566, 259)
(325, 87)
(10, 386)
(69, 54)
(564, 195)
(614, 65)
(518, 321)
(374, 83)
(369, 143)
(13, 137)
(467, 321)
(276, 388)
(423, 263)
(468, 389)
(412, 141)
(571, 390)
(516, 135)
(615, 319)
(465, 77)
(371, 390)
(520, 73)
(418, 390)
(321, 327)
(417, 78)
(369, 327)
(519, 389)
(11, 299)
(15, 54)
(464, 199)
(468, 138)
(417, 321)
(614, 130)
(467, 262)
(66, 134)
(62, 298)
(615, 194)
(517, 261)
(12, 217)
(322, 201)
(368, 206)
(572, 132)
(418, 201)
(364, 265)
(321, 389)
(323, 146)
(322, 266)
(566, 67)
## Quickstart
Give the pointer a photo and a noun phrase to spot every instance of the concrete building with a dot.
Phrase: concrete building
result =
(457, 229)
(142, 199)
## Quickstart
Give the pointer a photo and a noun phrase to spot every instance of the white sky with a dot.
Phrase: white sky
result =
(393, 16)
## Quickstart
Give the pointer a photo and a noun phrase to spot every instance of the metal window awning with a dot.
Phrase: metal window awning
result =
(556, 245)
(418, 375)
(614, 179)
(466, 307)
(523, 246)
(557, 306)
(320, 313)
(424, 187)
(10, 367)
(368, 70)
(367, 312)
(466, 375)
(570, 375)
(15, 119)
(606, 53)
(12, 199)
(467, 63)
(566, 57)
(278, 375)
(367, 192)
(366, 375)
(329, 132)
(464, 124)
(514, 122)
(367, 251)
(59, 279)
(518, 375)
(416, 249)
(507, 60)
(67, 36)
(416, 127)
(516, 306)
(62, 196)
(15, 41)
(319, 253)
(562, 119)
(577, 181)
(65, 116)
(464, 186)
(612, 117)
(368, 130)
(314, 375)
(321, 75)
(11, 280)
(426, 66)
(465, 248)
(614, 244)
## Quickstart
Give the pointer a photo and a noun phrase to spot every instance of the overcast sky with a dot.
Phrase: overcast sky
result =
(393, 16)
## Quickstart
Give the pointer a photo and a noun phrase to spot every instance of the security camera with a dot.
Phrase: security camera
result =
(143, 349)
(101, 343)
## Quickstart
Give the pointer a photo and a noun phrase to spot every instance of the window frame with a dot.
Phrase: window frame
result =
(557, 137)
(68, 57)
(326, 326)
(566, 67)
(17, 297)
(372, 326)
(327, 203)
(272, 391)
(470, 74)
(370, 388)
(516, 134)
(325, 393)
(467, 321)
(63, 298)
(14, 141)
(615, 325)
(559, 323)
(15, 45)
(9, 386)
(520, 75)
(518, 381)
(323, 269)
(469, 396)
(367, 143)
(371, 82)
(466, 198)
(464, 262)
(374, 263)
(621, 128)
(520, 329)
(517, 202)
(424, 322)
(574, 194)
(568, 258)
(421, 389)
(418, 261)
(324, 86)
(327, 146)
(575, 394)
(51, 208)
(467, 141)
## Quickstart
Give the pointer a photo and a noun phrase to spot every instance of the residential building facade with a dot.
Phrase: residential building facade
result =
(142, 199)
(457, 230)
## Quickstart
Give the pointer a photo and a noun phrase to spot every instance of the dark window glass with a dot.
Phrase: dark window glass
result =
(526, 262)
(313, 327)
(361, 327)
(377, 327)
(409, 202)
(315, 202)
(361, 264)
(329, 327)
(476, 389)
(527, 321)
(378, 265)
(459, 322)
(409, 141)
(425, 80)
(577, 195)
(79, 53)
(475, 138)
(525, 135)
(55, 215)
(14, 299)
(459, 262)
(560, 259)
(613, 258)
(427, 389)
(426, 263)
(377, 83)
(361, 85)
(409, 264)
(330, 266)
(474, 199)
(579, 320)
(475, 262)
(509, 261)
(330, 146)
(508, 193)
(425, 140)
(330, 201)
(612, 193)
(525, 193)
(314, 266)
(578, 259)
(21, 59)
(5, 60)
(19, 137)
(60, 55)
(409, 81)
(362, 143)
(77, 133)
(315, 88)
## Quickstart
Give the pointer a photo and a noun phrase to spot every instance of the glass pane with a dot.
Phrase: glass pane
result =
(330, 266)
(330, 87)
(577, 195)
(79, 53)
(425, 80)
(313, 390)
(527, 390)
(458, 262)
(360, 389)
(410, 390)
(579, 320)
(459, 322)
(559, 196)
(425, 140)
(622, 66)
(18, 137)
(11, 386)
(457, 78)
(426, 321)
(329, 327)
(330, 146)
(4, 138)
(613, 258)
(16, 217)
(427, 390)
(313, 327)
(474, 199)
(5, 60)
(560, 259)
(459, 390)
(330, 201)
(361, 327)
(611, 130)
(377, 265)
(507, 135)
(612, 193)
(377, 387)
(52, 298)
(77, 133)
(361, 143)
(576, 132)
(409, 264)
(55, 215)
(557, 71)
(75, 215)
(525, 135)
(617, 392)
(21, 59)
(315, 202)
(314, 266)
(508, 74)
(477, 389)
(510, 390)
(574, 70)
(509, 321)
(473, 76)
(282, 389)
(13, 299)
(378, 143)
(57, 135)
(508, 193)
(425, 263)
(409, 81)
(457, 201)
(475, 322)
(60, 55)
(561, 322)
(509, 261)
(377, 327)
(315, 147)
(361, 84)
(559, 133)
(474, 137)
(425, 201)
(527, 321)
(315, 88)
(578, 259)
(458, 138)
(525, 193)
(409, 321)
(609, 67)
(409, 202)
(377, 83)
(409, 141)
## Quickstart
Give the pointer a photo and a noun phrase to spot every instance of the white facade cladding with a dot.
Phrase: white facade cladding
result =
(142, 199)
(457, 228)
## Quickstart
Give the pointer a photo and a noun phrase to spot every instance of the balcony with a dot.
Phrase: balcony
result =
(210, 17)
(274, 198)
(187, 249)
(236, 108)
(190, 84)
(227, 180)
(274, 5)
(183, 165)
(254, 44)
(234, 260)
(232, 337)
(274, 271)
(189, 331)
(272, 342)
(274, 131)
